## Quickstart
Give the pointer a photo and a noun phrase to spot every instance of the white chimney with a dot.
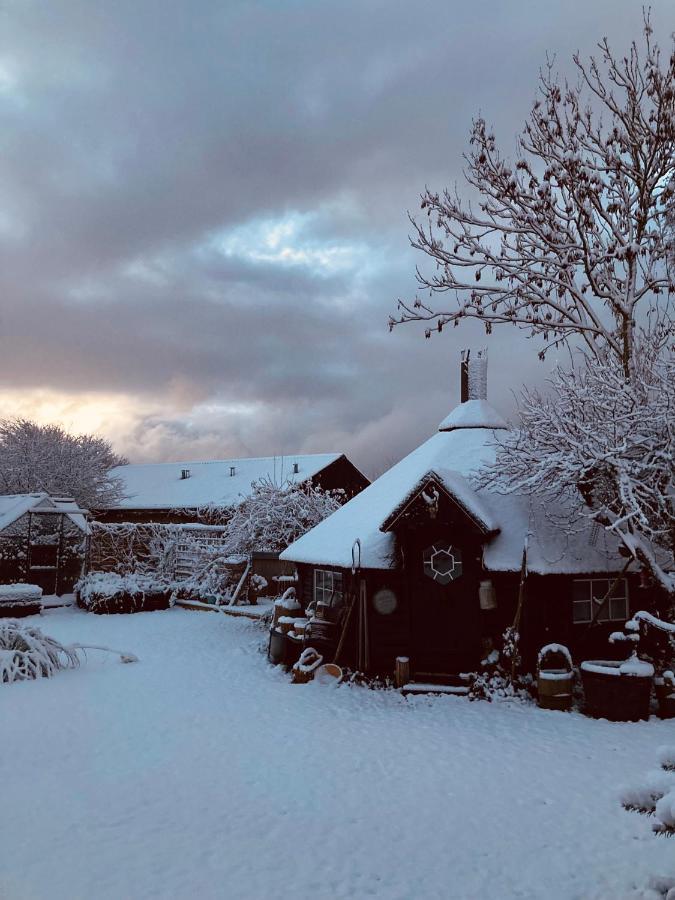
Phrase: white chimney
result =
(474, 375)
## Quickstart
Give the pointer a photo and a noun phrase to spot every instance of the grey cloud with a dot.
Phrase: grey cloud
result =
(137, 131)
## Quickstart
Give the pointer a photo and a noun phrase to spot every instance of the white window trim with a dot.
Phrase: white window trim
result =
(606, 616)
(323, 594)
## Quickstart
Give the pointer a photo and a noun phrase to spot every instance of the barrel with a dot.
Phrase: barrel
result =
(555, 688)
(613, 694)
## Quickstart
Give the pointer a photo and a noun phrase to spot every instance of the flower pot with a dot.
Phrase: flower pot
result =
(277, 647)
(665, 694)
(616, 690)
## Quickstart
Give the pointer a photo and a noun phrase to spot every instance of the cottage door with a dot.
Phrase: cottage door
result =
(444, 607)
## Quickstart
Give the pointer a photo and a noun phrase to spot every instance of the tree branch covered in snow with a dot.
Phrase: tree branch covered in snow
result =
(37, 457)
(568, 242)
(273, 515)
(271, 518)
(606, 443)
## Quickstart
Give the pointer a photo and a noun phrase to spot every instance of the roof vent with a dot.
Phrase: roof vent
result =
(233, 470)
(474, 375)
(184, 473)
(296, 468)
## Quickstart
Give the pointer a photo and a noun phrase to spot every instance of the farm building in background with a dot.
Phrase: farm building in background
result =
(186, 491)
(43, 541)
(191, 504)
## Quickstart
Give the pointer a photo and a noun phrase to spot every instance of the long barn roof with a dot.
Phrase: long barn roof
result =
(161, 485)
(466, 442)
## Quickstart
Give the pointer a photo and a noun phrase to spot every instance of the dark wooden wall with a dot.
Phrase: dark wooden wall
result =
(546, 617)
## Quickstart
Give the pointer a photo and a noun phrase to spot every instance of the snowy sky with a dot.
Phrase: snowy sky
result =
(203, 221)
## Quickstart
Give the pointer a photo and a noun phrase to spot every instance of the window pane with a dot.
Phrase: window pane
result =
(621, 588)
(581, 611)
(618, 609)
(599, 588)
(580, 590)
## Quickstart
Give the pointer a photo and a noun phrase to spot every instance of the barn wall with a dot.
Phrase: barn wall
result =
(341, 474)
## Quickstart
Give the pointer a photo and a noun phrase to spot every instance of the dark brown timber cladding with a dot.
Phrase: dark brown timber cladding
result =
(341, 474)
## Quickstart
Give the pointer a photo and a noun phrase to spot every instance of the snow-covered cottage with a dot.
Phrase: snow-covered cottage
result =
(431, 561)
(182, 491)
(42, 541)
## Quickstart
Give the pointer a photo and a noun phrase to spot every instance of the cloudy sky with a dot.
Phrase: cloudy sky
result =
(203, 211)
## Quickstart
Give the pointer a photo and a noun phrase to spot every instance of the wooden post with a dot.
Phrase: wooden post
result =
(519, 608)
(402, 671)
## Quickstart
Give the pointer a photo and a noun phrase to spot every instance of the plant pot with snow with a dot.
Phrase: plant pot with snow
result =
(307, 664)
(616, 690)
(293, 649)
(276, 650)
(664, 688)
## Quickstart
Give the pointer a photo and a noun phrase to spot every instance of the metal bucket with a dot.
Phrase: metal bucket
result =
(277, 647)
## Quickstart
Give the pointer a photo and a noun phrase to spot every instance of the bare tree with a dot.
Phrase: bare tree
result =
(607, 443)
(37, 457)
(567, 242)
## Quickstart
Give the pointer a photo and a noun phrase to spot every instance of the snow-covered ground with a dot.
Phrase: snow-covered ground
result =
(201, 772)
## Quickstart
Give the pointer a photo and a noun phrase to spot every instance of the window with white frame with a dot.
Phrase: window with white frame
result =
(328, 587)
(588, 594)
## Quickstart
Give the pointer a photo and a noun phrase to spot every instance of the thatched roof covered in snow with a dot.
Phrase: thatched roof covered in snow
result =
(452, 458)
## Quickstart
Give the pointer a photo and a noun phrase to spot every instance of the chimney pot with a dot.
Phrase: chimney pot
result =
(473, 375)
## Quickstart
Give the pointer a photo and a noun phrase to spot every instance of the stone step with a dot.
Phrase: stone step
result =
(422, 687)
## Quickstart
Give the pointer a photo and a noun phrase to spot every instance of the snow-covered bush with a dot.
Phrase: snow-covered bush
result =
(274, 515)
(155, 550)
(499, 678)
(655, 796)
(109, 592)
(26, 653)
(664, 814)
(258, 583)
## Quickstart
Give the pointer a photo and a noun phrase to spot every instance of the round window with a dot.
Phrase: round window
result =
(385, 601)
(443, 562)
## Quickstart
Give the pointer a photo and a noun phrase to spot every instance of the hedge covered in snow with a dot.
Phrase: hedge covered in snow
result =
(108, 592)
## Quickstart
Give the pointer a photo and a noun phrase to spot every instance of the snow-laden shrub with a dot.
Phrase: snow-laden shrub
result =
(274, 515)
(664, 814)
(258, 583)
(666, 758)
(656, 795)
(499, 678)
(644, 796)
(108, 592)
(26, 653)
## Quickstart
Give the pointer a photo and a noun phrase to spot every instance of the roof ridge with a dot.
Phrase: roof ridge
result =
(230, 459)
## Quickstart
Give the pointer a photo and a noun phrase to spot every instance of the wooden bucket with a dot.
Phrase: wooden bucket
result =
(555, 688)
(285, 624)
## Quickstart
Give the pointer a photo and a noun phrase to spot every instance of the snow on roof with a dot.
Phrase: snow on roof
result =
(455, 454)
(163, 485)
(473, 414)
(13, 506)
(458, 488)
(330, 542)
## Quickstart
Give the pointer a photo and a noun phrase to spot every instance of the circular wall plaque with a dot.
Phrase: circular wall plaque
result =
(385, 601)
